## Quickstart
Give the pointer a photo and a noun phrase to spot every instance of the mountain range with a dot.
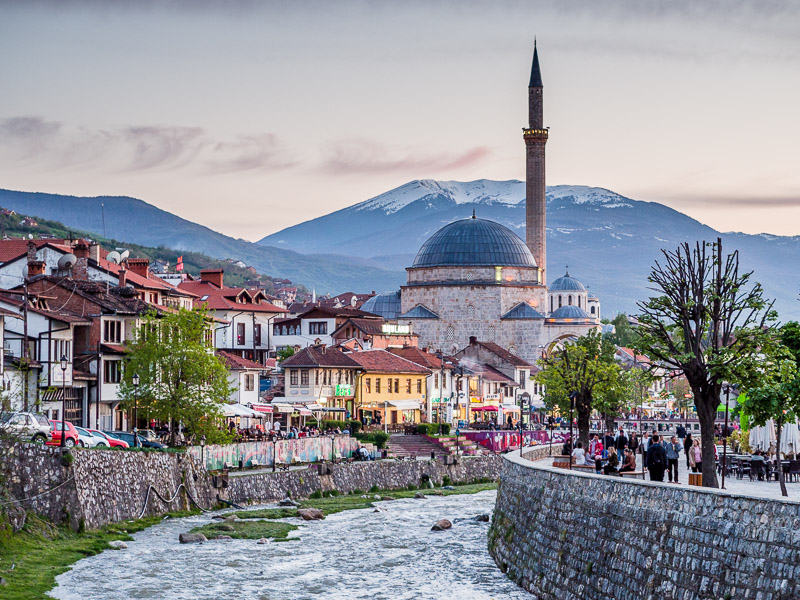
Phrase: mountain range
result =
(608, 241)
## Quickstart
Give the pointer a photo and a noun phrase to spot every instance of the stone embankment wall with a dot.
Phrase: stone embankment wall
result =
(386, 475)
(572, 536)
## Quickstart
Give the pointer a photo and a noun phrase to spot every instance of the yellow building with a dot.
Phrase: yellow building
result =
(389, 388)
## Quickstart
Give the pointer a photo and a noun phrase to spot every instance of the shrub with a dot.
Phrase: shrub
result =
(446, 480)
(373, 489)
(422, 428)
(316, 494)
(411, 487)
(445, 427)
(379, 439)
(334, 424)
(355, 426)
(357, 492)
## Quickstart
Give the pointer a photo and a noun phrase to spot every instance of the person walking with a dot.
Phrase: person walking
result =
(673, 449)
(621, 443)
(681, 431)
(696, 457)
(656, 459)
(608, 440)
(687, 446)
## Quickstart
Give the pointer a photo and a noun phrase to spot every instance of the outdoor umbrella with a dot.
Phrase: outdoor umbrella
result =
(790, 439)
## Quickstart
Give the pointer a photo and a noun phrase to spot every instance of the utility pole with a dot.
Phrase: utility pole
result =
(25, 361)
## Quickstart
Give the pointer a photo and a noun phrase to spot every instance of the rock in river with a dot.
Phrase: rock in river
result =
(118, 545)
(482, 518)
(310, 514)
(191, 538)
(441, 525)
(419, 495)
(287, 502)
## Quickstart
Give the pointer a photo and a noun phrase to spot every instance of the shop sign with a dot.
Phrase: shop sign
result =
(475, 399)
(344, 390)
(492, 396)
(394, 329)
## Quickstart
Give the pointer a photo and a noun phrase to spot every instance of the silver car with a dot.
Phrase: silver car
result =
(25, 427)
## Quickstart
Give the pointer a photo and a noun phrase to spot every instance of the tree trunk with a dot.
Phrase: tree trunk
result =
(778, 428)
(584, 410)
(609, 421)
(706, 403)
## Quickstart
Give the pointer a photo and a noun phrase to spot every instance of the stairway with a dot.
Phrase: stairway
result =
(410, 446)
(464, 447)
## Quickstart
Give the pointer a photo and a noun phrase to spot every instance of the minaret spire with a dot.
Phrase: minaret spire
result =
(535, 139)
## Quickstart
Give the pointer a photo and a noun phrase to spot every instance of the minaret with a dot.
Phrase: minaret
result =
(535, 139)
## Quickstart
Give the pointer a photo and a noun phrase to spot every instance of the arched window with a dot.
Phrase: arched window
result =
(579, 301)
(569, 299)
(559, 301)
(593, 310)
(551, 304)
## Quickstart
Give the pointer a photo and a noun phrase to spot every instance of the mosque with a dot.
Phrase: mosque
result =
(475, 277)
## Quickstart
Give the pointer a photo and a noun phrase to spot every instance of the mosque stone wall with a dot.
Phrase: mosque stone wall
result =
(564, 535)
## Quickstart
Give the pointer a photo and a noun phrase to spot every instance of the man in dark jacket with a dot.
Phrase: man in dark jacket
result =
(656, 459)
(681, 431)
(608, 440)
(621, 442)
(687, 445)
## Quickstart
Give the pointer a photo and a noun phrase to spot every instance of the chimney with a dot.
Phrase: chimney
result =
(31, 251)
(94, 252)
(81, 269)
(35, 267)
(139, 266)
(123, 277)
(214, 276)
(473, 340)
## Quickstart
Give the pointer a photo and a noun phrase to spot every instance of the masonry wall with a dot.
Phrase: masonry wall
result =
(571, 536)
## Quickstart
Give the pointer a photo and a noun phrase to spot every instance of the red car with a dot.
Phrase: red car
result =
(70, 434)
(112, 441)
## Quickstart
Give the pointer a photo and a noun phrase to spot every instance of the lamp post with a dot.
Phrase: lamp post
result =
(572, 397)
(135, 380)
(725, 434)
(550, 423)
(203, 449)
(274, 452)
(63, 398)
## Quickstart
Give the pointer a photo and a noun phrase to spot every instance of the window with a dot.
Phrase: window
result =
(559, 301)
(112, 332)
(61, 348)
(257, 334)
(368, 383)
(522, 378)
(377, 385)
(436, 380)
(276, 330)
(397, 386)
(240, 334)
(593, 310)
(318, 328)
(408, 386)
(249, 382)
(293, 377)
(112, 371)
(304, 377)
(419, 386)
(389, 386)
(569, 299)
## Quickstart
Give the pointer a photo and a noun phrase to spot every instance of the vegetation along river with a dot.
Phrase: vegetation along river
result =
(391, 554)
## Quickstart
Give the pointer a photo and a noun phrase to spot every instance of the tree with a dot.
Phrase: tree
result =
(586, 367)
(182, 380)
(624, 335)
(790, 337)
(285, 353)
(708, 322)
(778, 399)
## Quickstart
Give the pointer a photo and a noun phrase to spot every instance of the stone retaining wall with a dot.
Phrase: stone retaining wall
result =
(572, 536)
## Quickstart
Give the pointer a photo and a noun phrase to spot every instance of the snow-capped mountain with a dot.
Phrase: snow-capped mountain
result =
(609, 241)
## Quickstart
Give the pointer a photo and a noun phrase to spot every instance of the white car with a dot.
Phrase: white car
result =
(87, 439)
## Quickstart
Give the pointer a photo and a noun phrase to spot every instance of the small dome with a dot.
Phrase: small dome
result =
(566, 284)
(474, 242)
(569, 312)
(387, 305)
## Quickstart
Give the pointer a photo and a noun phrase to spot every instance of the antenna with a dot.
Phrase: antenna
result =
(103, 213)
(125, 254)
(66, 262)
(114, 257)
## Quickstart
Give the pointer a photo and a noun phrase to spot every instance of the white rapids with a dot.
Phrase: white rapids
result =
(355, 554)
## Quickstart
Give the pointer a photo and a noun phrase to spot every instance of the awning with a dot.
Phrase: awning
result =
(315, 407)
(335, 410)
(510, 408)
(482, 408)
(304, 412)
(284, 408)
(404, 404)
(264, 408)
(238, 410)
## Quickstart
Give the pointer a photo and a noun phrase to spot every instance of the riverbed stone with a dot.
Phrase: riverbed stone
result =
(223, 537)
(263, 541)
(310, 514)
(117, 545)
(192, 538)
(482, 518)
(441, 525)
(225, 527)
(419, 496)
(288, 502)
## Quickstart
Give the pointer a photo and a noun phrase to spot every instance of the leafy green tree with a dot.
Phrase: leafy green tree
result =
(790, 337)
(778, 399)
(285, 353)
(181, 379)
(624, 335)
(710, 323)
(585, 367)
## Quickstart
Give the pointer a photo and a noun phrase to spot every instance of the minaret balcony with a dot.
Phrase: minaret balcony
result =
(540, 134)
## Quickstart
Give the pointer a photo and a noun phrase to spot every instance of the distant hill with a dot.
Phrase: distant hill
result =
(138, 222)
(609, 241)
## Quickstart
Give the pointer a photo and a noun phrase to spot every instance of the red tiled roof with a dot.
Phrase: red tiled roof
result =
(426, 359)
(381, 361)
(224, 298)
(16, 247)
(316, 356)
(237, 363)
(489, 373)
(504, 354)
(633, 356)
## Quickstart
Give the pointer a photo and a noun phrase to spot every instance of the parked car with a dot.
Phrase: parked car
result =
(26, 426)
(87, 439)
(112, 441)
(126, 436)
(70, 434)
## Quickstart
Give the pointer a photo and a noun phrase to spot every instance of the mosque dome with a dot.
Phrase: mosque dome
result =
(387, 305)
(474, 242)
(569, 312)
(566, 284)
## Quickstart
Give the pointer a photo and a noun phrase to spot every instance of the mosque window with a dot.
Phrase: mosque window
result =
(512, 350)
(450, 333)
(593, 310)
(492, 333)
(569, 299)
(559, 301)
(551, 304)
(470, 311)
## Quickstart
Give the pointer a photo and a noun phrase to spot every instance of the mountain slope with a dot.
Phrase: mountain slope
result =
(136, 221)
(609, 241)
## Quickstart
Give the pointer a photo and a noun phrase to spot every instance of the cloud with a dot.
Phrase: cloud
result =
(731, 202)
(369, 157)
(50, 144)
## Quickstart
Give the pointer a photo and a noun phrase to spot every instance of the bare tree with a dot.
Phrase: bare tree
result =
(709, 322)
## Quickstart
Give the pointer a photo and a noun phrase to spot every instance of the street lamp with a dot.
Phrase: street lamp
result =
(135, 380)
(725, 432)
(203, 449)
(63, 398)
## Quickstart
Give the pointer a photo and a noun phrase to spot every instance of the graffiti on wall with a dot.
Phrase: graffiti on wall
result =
(301, 450)
(498, 441)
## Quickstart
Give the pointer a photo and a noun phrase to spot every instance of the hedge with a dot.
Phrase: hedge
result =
(433, 428)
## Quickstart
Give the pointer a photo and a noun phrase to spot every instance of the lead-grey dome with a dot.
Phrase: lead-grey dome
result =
(566, 284)
(386, 305)
(474, 242)
(569, 312)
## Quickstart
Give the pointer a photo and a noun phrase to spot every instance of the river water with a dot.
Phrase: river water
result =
(355, 554)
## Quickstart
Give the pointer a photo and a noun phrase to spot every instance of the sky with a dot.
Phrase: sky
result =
(250, 116)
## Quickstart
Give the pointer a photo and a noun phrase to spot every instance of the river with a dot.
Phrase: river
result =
(354, 554)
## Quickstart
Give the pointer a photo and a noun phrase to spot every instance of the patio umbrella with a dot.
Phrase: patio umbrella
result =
(763, 436)
(790, 439)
